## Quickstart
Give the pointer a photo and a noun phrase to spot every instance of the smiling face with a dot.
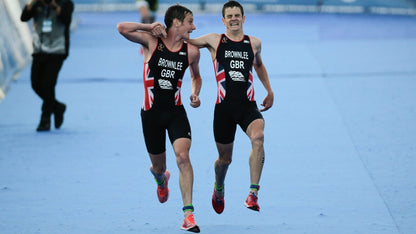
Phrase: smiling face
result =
(179, 20)
(233, 19)
(187, 26)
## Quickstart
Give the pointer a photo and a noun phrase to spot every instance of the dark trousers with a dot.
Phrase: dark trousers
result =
(44, 75)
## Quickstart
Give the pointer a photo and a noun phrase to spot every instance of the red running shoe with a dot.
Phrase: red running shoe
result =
(163, 193)
(189, 224)
(251, 202)
(218, 202)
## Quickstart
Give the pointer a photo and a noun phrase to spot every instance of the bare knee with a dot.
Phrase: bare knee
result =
(225, 152)
(225, 161)
(257, 140)
(182, 159)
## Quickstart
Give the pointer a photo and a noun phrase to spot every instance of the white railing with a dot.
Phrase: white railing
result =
(15, 43)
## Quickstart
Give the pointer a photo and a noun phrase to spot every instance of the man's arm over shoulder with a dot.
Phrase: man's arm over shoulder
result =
(206, 41)
(209, 41)
(138, 32)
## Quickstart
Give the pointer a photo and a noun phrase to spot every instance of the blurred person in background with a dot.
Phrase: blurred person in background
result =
(166, 57)
(147, 9)
(234, 54)
(51, 29)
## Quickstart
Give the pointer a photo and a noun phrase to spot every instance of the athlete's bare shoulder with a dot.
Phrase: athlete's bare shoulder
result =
(193, 53)
(255, 41)
(255, 44)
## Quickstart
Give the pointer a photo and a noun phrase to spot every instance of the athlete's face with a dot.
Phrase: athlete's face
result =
(187, 26)
(233, 19)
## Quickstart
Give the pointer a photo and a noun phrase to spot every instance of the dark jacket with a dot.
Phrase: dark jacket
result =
(51, 31)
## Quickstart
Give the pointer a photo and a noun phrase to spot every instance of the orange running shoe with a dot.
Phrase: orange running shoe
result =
(163, 193)
(251, 202)
(189, 224)
(218, 202)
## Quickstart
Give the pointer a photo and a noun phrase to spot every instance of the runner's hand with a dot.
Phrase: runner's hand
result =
(195, 102)
(158, 30)
(267, 102)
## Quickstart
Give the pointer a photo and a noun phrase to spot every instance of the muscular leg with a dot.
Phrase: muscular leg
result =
(225, 152)
(181, 147)
(255, 131)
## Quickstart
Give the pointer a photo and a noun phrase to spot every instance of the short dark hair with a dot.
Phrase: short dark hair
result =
(231, 4)
(175, 12)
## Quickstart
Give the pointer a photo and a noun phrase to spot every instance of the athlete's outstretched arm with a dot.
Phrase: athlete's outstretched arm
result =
(141, 33)
(196, 80)
(209, 41)
(262, 74)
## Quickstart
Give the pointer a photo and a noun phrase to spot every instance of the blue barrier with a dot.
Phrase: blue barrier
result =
(400, 7)
(365, 3)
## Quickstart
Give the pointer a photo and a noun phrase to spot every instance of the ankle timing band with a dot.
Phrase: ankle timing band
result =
(255, 186)
(159, 178)
(189, 207)
(219, 189)
(161, 182)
